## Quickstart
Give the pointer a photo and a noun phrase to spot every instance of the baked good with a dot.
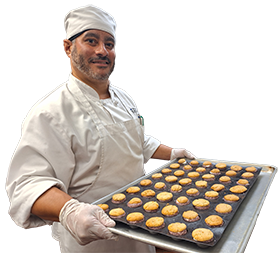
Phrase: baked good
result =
(223, 208)
(151, 206)
(214, 221)
(193, 174)
(247, 175)
(231, 198)
(135, 217)
(251, 169)
(236, 167)
(191, 216)
(200, 170)
(105, 207)
(177, 229)
(160, 186)
(208, 177)
(231, 173)
(181, 201)
(217, 187)
(221, 166)
(157, 176)
(134, 202)
(187, 167)
(117, 213)
(185, 181)
(133, 189)
(238, 189)
(148, 193)
(145, 182)
(176, 188)
(215, 172)
(118, 198)
(170, 210)
(164, 196)
(171, 179)
(203, 235)
(243, 182)
(166, 171)
(192, 192)
(201, 184)
(174, 166)
(207, 164)
(211, 195)
(194, 163)
(225, 179)
(201, 204)
(182, 160)
(155, 223)
(179, 173)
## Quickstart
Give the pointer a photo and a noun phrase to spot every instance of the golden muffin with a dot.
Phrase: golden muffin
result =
(238, 189)
(251, 169)
(194, 163)
(170, 210)
(201, 184)
(179, 173)
(135, 217)
(214, 221)
(148, 193)
(155, 223)
(174, 166)
(187, 167)
(105, 207)
(221, 166)
(211, 195)
(244, 182)
(185, 181)
(118, 198)
(217, 187)
(231, 198)
(236, 168)
(225, 179)
(181, 201)
(203, 235)
(201, 204)
(192, 192)
(160, 186)
(193, 174)
(207, 164)
(165, 196)
(117, 213)
(166, 171)
(182, 160)
(200, 170)
(151, 206)
(215, 172)
(177, 229)
(157, 176)
(171, 179)
(133, 189)
(134, 202)
(247, 175)
(208, 177)
(231, 173)
(145, 182)
(223, 208)
(176, 188)
(191, 216)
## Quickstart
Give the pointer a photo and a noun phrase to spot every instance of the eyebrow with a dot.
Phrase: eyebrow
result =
(92, 34)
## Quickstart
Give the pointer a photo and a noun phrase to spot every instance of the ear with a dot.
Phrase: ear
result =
(67, 47)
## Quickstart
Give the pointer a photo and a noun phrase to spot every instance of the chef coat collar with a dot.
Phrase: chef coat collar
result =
(90, 92)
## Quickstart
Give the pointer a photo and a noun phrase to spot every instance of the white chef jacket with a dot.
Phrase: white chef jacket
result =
(57, 147)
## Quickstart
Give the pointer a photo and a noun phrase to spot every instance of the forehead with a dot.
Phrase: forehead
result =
(98, 34)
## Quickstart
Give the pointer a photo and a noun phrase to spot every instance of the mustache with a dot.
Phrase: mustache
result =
(94, 59)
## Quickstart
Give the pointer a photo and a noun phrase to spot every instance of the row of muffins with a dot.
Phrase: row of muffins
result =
(179, 228)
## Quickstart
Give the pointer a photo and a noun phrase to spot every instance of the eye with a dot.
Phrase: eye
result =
(110, 45)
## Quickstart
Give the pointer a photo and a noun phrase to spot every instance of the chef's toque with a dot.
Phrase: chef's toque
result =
(86, 18)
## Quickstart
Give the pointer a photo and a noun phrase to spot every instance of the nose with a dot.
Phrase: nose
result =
(101, 49)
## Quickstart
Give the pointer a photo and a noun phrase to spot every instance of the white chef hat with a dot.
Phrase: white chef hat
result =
(86, 18)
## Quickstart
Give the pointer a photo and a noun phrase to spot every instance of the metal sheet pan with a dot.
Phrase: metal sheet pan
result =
(235, 237)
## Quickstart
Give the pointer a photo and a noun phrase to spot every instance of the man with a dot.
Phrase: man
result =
(80, 143)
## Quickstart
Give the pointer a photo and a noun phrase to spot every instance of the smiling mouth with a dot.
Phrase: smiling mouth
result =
(99, 61)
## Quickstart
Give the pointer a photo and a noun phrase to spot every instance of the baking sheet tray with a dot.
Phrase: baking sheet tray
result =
(234, 238)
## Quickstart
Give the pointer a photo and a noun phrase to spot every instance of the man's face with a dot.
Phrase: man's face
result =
(93, 55)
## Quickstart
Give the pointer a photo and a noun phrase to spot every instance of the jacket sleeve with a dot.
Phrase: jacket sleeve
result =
(42, 159)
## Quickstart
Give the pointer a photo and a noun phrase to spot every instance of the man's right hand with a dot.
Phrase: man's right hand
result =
(86, 222)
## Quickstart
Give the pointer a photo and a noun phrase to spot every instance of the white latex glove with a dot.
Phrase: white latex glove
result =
(86, 222)
(180, 152)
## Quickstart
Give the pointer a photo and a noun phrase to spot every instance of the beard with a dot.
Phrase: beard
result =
(82, 65)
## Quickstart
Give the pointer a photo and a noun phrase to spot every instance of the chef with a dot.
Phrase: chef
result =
(81, 142)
